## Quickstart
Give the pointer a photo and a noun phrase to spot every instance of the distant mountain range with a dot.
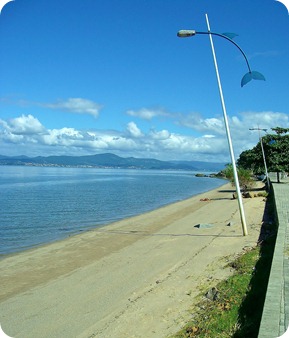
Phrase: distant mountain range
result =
(109, 161)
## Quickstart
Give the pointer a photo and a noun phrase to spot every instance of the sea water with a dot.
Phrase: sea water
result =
(42, 204)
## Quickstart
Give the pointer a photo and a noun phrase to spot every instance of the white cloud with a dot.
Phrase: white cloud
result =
(160, 135)
(23, 125)
(130, 142)
(239, 125)
(32, 138)
(209, 136)
(63, 136)
(133, 130)
(266, 119)
(197, 122)
(76, 105)
(147, 114)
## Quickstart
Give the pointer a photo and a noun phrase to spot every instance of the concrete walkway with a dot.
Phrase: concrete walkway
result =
(275, 317)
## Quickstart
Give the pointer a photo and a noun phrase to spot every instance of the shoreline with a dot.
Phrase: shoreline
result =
(13, 249)
(108, 227)
(98, 226)
(136, 267)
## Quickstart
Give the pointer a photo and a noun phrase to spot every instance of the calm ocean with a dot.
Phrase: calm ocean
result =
(42, 204)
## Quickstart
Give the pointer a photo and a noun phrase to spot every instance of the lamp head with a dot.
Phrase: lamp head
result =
(184, 33)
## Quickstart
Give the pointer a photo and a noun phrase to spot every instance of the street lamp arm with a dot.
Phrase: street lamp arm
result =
(252, 74)
(265, 130)
(227, 38)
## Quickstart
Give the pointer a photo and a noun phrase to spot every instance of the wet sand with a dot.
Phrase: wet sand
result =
(134, 278)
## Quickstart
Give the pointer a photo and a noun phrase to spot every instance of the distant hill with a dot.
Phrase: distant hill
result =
(109, 160)
(201, 165)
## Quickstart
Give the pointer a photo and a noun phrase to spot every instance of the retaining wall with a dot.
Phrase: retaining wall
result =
(275, 317)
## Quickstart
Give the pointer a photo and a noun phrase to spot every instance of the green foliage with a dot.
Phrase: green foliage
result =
(276, 149)
(279, 130)
(220, 318)
(228, 172)
(244, 176)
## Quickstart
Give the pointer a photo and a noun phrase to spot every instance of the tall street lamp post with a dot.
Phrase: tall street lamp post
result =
(263, 153)
(246, 78)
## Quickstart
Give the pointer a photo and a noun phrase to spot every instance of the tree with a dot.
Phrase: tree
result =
(252, 160)
(276, 149)
(279, 130)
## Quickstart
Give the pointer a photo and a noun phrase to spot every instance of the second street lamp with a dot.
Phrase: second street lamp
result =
(263, 153)
(246, 78)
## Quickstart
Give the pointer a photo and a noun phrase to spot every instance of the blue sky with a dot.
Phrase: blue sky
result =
(96, 76)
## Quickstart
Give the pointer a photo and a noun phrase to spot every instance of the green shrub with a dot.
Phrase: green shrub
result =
(245, 177)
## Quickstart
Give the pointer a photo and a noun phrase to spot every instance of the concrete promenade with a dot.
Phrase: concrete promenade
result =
(275, 317)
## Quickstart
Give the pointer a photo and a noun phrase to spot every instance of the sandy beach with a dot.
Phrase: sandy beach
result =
(134, 278)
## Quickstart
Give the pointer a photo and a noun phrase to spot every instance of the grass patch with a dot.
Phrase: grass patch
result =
(262, 194)
(234, 307)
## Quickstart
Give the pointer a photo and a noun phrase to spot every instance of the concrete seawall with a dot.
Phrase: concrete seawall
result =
(275, 317)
